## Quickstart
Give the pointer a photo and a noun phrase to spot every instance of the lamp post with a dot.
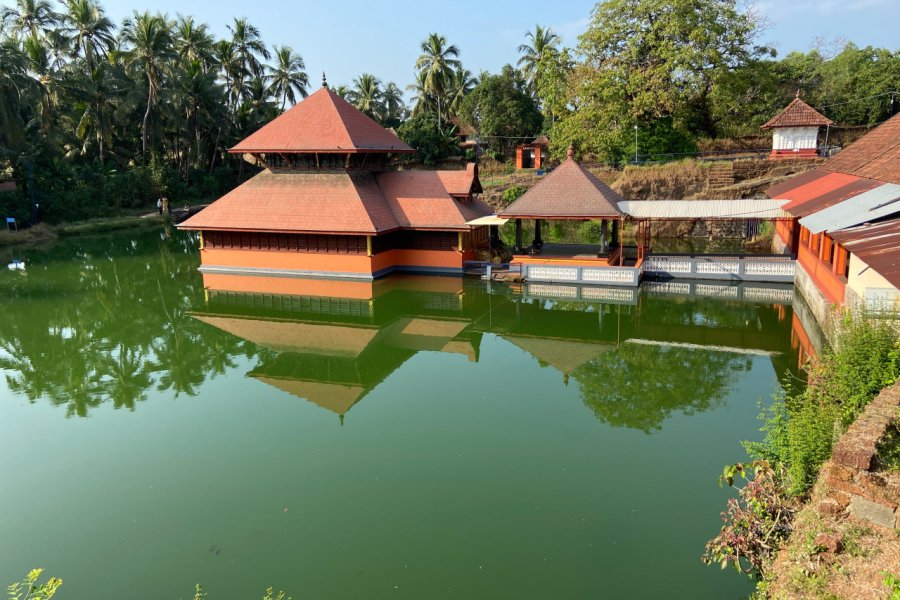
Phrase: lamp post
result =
(635, 144)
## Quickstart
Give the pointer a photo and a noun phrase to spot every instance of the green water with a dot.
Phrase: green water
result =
(492, 445)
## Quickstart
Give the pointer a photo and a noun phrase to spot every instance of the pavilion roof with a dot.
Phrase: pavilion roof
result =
(568, 192)
(347, 203)
(300, 202)
(323, 122)
(798, 114)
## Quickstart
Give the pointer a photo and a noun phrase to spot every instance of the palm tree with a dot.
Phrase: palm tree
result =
(193, 42)
(248, 45)
(392, 101)
(461, 83)
(97, 95)
(30, 16)
(150, 41)
(198, 99)
(13, 81)
(541, 39)
(437, 62)
(287, 77)
(343, 91)
(39, 64)
(366, 95)
(90, 30)
(231, 70)
(422, 101)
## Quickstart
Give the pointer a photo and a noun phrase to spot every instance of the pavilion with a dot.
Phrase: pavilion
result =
(329, 203)
(795, 131)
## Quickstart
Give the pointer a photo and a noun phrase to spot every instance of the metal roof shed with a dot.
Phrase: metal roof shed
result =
(882, 201)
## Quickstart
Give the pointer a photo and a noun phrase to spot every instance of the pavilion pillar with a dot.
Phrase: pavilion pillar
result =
(538, 240)
(615, 234)
(518, 247)
(604, 242)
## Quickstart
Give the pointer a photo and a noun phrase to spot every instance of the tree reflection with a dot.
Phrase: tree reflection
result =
(640, 386)
(104, 319)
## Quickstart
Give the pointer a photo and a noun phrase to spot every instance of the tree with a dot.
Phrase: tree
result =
(541, 41)
(553, 71)
(249, 47)
(644, 60)
(501, 107)
(151, 48)
(431, 143)
(288, 77)
(366, 95)
(436, 65)
(90, 30)
(461, 83)
(394, 107)
(30, 16)
(193, 42)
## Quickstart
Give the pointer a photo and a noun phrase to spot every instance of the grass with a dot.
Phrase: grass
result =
(43, 232)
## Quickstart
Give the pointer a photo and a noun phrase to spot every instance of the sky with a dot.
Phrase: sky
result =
(351, 37)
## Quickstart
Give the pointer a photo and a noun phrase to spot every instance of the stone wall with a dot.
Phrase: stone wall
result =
(854, 487)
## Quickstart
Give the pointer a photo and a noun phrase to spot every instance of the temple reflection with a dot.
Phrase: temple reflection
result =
(333, 342)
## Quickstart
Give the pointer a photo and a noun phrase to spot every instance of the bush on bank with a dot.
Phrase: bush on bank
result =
(800, 429)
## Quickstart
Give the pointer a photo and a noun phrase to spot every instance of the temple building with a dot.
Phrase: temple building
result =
(846, 227)
(795, 130)
(330, 202)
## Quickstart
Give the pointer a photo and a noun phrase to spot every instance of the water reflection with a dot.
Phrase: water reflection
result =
(112, 319)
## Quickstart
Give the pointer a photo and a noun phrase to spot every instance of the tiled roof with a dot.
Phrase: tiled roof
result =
(463, 128)
(569, 192)
(300, 202)
(324, 122)
(421, 199)
(351, 203)
(797, 114)
(875, 155)
(336, 397)
(877, 245)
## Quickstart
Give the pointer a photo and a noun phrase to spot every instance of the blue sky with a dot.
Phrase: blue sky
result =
(354, 36)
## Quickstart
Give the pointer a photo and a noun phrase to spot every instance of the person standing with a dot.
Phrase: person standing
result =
(159, 206)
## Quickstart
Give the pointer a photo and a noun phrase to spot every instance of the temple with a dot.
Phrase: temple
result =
(330, 202)
(795, 131)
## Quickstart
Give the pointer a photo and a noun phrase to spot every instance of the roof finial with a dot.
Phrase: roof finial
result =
(570, 153)
(324, 81)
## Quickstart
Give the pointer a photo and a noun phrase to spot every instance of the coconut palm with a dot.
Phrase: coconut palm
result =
(150, 40)
(461, 83)
(30, 16)
(90, 30)
(231, 69)
(39, 65)
(437, 61)
(394, 107)
(287, 77)
(366, 95)
(193, 42)
(96, 96)
(13, 81)
(541, 39)
(422, 101)
(343, 91)
(199, 101)
(249, 47)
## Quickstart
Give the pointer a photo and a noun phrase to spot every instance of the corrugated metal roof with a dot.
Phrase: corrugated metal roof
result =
(874, 204)
(878, 245)
(677, 210)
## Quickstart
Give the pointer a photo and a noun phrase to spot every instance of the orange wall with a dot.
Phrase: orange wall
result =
(831, 286)
(293, 286)
(333, 263)
(440, 259)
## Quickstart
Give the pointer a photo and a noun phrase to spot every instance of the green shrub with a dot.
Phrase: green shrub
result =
(512, 194)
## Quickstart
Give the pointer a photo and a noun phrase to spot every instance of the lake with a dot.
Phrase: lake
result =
(426, 437)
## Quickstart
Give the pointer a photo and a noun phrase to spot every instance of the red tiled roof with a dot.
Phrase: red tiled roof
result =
(350, 203)
(812, 189)
(875, 155)
(878, 245)
(324, 122)
(569, 192)
(423, 199)
(300, 202)
(798, 114)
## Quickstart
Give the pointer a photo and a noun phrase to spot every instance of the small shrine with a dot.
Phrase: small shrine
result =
(534, 154)
(795, 130)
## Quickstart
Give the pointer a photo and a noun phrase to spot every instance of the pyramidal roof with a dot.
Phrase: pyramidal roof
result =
(569, 192)
(324, 122)
(798, 114)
